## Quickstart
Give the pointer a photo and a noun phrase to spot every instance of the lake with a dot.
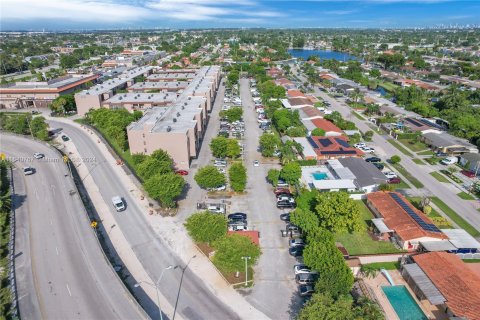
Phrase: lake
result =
(323, 54)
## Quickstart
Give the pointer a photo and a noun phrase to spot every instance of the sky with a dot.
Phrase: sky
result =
(55, 15)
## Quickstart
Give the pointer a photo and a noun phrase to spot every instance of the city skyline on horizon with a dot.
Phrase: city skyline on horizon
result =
(58, 15)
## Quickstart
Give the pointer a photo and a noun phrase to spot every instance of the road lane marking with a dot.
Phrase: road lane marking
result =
(69, 292)
(56, 249)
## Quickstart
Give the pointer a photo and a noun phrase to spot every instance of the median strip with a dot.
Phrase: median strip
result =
(400, 148)
(408, 176)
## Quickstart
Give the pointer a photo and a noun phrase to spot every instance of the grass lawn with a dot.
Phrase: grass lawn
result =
(465, 196)
(400, 147)
(426, 153)
(418, 161)
(413, 145)
(356, 114)
(471, 260)
(401, 185)
(455, 217)
(408, 176)
(437, 218)
(440, 177)
(387, 86)
(358, 243)
(384, 265)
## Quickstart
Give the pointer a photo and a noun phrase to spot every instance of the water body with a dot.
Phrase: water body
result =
(323, 54)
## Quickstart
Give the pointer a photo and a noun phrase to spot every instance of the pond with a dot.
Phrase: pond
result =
(323, 54)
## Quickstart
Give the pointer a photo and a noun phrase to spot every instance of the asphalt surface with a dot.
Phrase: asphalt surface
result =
(61, 271)
(195, 301)
(444, 191)
(275, 290)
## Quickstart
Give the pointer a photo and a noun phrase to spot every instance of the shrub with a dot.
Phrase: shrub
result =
(206, 227)
(230, 249)
(395, 159)
(209, 177)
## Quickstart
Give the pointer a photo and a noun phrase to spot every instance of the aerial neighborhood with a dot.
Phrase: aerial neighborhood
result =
(240, 173)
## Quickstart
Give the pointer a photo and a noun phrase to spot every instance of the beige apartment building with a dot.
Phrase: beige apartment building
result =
(40, 94)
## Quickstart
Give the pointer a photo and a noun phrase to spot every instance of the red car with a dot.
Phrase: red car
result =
(394, 180)
(182, 172)
(469, 174)
(281, 190)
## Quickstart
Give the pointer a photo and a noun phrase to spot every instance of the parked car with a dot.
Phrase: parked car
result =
(65, 138)
(256, 163)
(237, 223)
(118, 203)
(238, 228)
(282, 184)
(285, 197)
(237, 216)
(390, 174)
(292, 227)
(182, 172)
(394, 181)
(216, 209)
(305, 290)
(220, 163)
(359, 145)
(38, 155)
(285, 204)
(367, 149)
(449, 160)
(296, 251)
(373, 159)
(306, 278)
(296, 242)
(28, 171)
(221, 188)
(302, 268)
(379, 165)
(278, 191)
(441, 154)
(285, 217)
(468, 173)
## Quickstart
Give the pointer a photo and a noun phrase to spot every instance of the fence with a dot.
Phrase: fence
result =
(11, 254)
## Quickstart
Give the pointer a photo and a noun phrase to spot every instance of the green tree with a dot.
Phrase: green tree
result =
(318, 132)
(229, 251)
(291, 172)
(269, 144)
(323, 307)
(152, 166)
(162, 155)
(209, 177)
(165, 188)
(233, 114)
(206, 227)
(238, 177)
(368, 135)
(321, 254)
(337, 212)
(296, 132)
(39, 128)
(68, 61)
(375, 73)
(138, 158)
(233, 148)
(272, 176)
(395, 159)
(367, 310)
(219, 147)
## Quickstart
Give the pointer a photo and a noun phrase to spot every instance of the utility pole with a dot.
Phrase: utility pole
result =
(246, 269)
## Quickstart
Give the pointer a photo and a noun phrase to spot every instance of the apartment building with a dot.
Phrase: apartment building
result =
(40, 94)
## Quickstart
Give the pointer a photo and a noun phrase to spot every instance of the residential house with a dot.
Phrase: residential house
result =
(330, 129)
(325, 148)
(367, 177)
(470, 161)
(447, 143)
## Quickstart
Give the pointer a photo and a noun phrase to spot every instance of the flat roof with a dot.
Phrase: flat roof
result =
(55, 84)
(461, 239)
(179, 85)
(381, 226)
(131, 97)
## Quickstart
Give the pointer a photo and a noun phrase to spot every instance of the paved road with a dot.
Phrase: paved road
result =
(275, 291)
(446, 192)
(61, 271)
(195, 300)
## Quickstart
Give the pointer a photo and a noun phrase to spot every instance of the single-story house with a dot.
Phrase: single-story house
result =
(326, 148)
(330, 129)
(399, 221)
(470, 161)
(367, 177)
(345, 88)
(421, 125)
(329, 177)
(445, 142)
(446, 282)
(459, 242)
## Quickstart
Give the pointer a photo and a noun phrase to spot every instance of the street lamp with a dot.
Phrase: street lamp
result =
(156, 286)
(246, 269)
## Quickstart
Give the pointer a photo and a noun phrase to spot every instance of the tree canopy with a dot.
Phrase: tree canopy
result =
(209, 177)
(238, 177)
(269, 144)
(165, 187)
(206, 227)
(230, 249)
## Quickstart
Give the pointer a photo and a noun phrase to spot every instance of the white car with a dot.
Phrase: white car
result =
(328, 111)
(256, 163)
(390, 174)
(28, 171)
(367, 149)
(221, 188)
(449, 160)
(301, 268)
(38, 155)
(360, 145)
(118, 203)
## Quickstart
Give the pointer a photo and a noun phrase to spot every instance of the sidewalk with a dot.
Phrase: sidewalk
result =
(170, 229)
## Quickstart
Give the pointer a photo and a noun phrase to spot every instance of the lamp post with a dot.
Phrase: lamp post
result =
(246, 269)
(155, 285)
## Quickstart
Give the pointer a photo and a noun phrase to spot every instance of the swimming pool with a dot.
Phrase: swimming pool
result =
(319, 175)
(403, 303)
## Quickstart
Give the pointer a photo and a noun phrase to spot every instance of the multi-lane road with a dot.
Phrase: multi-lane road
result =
(60, 268)
(194, 300)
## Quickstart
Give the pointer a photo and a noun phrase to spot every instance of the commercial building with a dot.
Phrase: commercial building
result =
(178, 127)
(399, 221)
(445, 281)
(40, 94)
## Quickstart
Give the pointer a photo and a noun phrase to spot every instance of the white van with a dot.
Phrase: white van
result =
(449, 160)
(118, 203)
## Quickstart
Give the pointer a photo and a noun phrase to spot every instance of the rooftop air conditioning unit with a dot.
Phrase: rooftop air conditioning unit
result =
(183, 107)
(169, 129)
(174, 119)
(178, 114)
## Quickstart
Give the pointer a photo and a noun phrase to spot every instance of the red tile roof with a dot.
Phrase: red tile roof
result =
(397, 219)
(312, 112)
(253, 235)
(456, 282)
(326, 125)
(292, 93)
(300, 101)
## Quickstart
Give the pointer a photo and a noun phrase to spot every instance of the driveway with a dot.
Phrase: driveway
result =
(274, 290)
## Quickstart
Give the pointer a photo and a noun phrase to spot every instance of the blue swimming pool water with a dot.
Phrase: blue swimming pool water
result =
(403, 303)
(319, 175)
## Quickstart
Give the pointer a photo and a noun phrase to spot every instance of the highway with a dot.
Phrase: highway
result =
(61, 271)
(195, 301)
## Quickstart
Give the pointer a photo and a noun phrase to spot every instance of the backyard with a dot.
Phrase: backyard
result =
(361, 242)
